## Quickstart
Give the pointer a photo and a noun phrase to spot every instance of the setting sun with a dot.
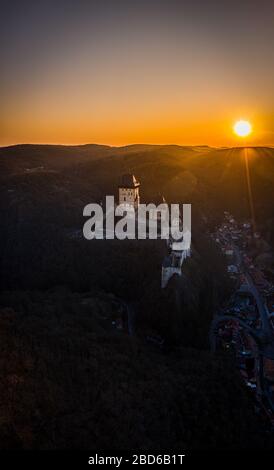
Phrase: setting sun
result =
(242, 128)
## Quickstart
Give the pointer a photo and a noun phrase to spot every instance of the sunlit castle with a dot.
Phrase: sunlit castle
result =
(172, 264)
(129, 191)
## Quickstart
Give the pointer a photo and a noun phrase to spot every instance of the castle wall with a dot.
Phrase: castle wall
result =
(129, 196)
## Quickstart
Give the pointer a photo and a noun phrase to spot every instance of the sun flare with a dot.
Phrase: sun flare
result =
(242, 128)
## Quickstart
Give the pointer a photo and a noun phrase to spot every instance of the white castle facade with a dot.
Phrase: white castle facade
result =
(129, 191)
(172, 264)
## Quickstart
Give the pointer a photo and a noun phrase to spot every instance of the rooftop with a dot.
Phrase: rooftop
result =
(159, 199)
(129, 181)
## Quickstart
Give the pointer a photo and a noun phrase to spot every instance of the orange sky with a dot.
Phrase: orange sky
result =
(162, 79)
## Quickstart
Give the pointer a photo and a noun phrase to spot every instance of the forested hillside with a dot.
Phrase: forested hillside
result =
(69, 377)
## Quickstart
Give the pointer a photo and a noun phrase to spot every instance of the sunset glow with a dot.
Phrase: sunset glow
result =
(154, 72)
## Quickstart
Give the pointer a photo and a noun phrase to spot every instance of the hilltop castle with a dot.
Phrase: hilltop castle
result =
(172, 264)
(129, 191)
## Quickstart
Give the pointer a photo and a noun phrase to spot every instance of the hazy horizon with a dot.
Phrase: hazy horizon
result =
(134, 144)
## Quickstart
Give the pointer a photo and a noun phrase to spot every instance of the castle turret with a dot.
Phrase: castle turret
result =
(129, 191)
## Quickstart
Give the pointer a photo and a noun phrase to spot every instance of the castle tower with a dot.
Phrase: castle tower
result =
(129, 191)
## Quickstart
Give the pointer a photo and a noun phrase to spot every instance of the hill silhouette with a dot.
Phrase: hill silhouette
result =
(212, 179)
